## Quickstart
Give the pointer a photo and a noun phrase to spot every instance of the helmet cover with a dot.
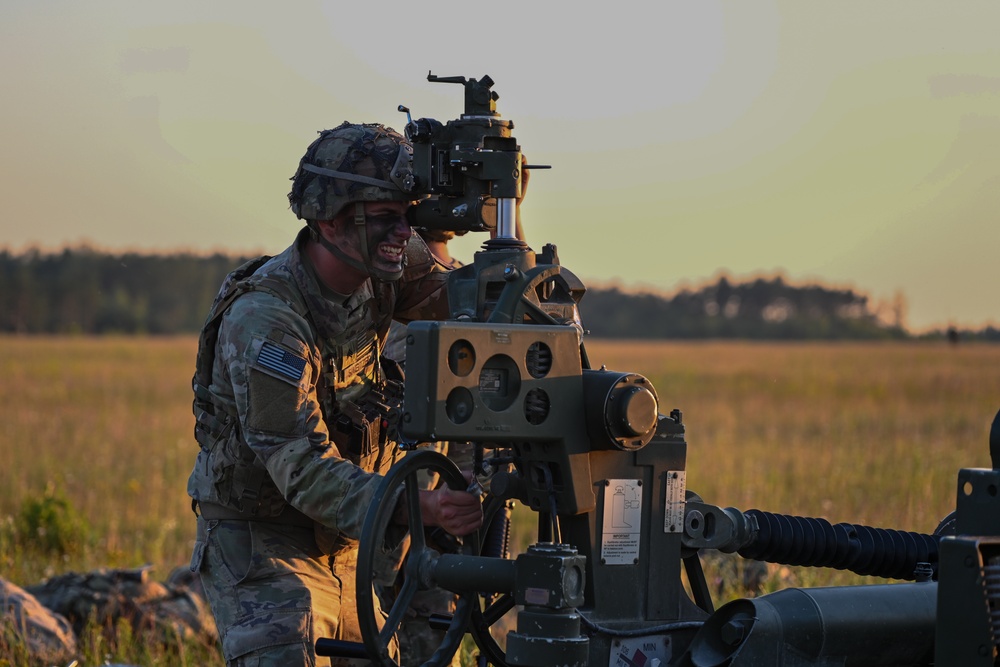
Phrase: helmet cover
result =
(351, 163)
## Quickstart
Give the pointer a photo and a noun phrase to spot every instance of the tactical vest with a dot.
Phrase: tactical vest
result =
(232, 477)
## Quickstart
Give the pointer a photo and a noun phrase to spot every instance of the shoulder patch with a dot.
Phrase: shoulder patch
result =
(281, 361)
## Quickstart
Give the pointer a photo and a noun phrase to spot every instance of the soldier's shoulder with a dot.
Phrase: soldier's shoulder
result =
(258, 313)
(419, 260)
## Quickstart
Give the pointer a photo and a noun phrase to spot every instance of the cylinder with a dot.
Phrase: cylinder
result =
(856, 626)
(506, 218)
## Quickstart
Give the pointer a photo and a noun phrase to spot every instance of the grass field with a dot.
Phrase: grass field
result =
(865, 433)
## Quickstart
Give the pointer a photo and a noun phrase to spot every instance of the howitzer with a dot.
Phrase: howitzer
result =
(592, 452)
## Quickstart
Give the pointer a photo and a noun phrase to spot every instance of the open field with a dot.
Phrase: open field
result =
(105, 424)
(866, 433)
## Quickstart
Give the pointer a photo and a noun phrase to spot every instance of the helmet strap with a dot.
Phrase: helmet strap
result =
(360, 220)
(335, 251)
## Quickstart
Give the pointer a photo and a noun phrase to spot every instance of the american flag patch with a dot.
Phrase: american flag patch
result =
(281, 361)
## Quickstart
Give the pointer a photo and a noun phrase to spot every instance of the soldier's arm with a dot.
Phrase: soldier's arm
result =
(421, 294)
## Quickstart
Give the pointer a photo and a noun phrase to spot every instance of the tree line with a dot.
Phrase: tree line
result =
(90, 292)
(81, 290)
(761, 308)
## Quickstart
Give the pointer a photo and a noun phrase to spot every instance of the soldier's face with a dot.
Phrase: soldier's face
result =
(388, 232)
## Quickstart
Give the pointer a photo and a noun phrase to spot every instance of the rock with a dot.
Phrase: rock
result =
(46, 636)
(170, 611)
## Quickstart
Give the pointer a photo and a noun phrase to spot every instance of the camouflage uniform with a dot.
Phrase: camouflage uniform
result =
(285, 471)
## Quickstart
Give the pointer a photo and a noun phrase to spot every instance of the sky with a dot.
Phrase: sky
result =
(855, 143)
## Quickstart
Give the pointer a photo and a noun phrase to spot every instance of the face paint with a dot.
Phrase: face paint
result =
(376, 247)
(388, 231)
(387, 237)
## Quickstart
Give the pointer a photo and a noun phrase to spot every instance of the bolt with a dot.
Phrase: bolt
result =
(693, 522)
(732, 633)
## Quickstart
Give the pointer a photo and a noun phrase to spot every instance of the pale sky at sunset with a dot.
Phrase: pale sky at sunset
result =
(857, 143)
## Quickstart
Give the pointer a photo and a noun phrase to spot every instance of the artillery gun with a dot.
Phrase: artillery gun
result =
(591, 451)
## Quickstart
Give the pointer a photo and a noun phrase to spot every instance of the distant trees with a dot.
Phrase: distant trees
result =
(85, 291)
(757, 309)
(82, 290)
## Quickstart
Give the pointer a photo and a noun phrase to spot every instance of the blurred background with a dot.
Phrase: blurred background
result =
(853, 144)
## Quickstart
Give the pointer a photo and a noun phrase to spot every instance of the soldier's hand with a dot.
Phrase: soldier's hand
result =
(458, 512)
(525, 175)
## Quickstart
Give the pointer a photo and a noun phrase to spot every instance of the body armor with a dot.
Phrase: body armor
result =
(236, 480)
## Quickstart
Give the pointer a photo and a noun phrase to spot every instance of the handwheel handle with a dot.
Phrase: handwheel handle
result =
(338, 648)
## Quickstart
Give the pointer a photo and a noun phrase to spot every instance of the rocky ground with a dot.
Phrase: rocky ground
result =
(49, 617)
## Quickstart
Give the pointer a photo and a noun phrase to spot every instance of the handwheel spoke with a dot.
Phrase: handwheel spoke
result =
(495, 611)
(414, 516)
(399, 607)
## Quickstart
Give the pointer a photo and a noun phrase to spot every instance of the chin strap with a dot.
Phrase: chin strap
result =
(362, 230)
(337, 252)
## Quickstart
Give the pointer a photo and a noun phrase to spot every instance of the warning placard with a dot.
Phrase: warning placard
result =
(622, 522)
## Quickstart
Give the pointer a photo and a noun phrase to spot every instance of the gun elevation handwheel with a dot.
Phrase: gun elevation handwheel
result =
(377, 635)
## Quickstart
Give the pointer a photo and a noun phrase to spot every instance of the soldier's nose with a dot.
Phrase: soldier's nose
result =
(402, 230)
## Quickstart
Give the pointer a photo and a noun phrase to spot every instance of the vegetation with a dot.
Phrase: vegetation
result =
(758, 309)
(85, 291)
(96, 449)
(96, 445)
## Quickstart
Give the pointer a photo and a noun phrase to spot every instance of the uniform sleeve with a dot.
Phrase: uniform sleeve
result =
(424, 299)
(422, 291)
(273, 363)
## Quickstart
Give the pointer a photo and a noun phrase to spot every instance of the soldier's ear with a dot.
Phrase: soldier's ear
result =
(329, 229)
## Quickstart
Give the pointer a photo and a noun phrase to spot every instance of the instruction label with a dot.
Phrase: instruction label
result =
(673, 511)
(622, 522)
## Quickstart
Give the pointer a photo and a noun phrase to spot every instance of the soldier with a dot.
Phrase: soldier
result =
(290, 449)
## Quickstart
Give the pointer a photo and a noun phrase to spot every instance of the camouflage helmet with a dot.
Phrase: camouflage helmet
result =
(351, 163)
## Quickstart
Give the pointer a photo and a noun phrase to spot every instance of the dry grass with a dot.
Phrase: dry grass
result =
(105, 423)
(866, 433)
